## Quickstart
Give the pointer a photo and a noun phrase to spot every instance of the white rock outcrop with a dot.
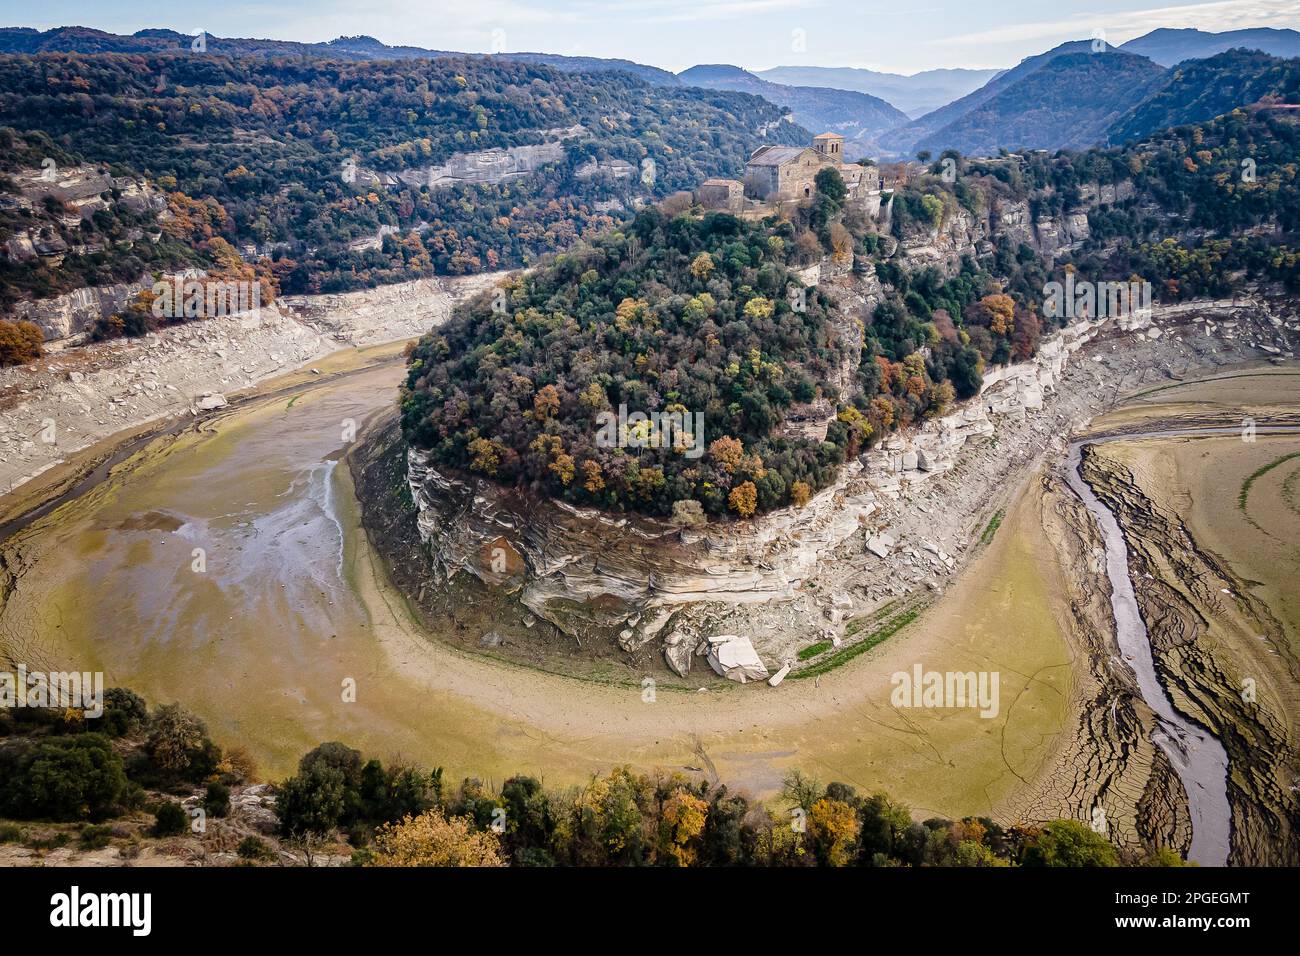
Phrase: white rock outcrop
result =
(734, 658)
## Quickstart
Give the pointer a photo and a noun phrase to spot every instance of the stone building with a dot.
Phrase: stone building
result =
(893, 176)
(777, 174)
(723, 194)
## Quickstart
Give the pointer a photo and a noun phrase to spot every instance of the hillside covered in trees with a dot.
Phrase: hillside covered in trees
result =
(255, 151)
(698, 314)
(1213, 206)
(1200, 90)
(690, 312)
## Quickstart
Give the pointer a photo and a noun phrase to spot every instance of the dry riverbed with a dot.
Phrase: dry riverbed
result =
(294, 601)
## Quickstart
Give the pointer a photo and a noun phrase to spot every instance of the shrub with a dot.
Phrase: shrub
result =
(125, 712)
(178, 744)
(325, 793)
(11, 833)
(94, 837)
(52, 841)
(434, 840)
(1070, 843)
(238, 765)
(62, 778)
(216, 802)
(170, 819)
(253, 848)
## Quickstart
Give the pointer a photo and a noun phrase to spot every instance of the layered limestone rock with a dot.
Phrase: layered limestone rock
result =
(587, 570)
(95, 391)
(484, 166)
(403, 310)
(734, 658)
(63, 316)
(945, 246)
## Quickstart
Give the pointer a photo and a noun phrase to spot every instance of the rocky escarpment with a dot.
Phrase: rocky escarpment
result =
(63, 316)
(484, 166)
(78, 396)
(386, 313)
(963, 233)
(54, 201)
(901, 517)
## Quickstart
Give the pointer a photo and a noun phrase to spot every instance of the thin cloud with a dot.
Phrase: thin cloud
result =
(1212, 17)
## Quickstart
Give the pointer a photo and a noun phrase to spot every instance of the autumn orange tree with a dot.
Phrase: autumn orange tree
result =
(20, 342)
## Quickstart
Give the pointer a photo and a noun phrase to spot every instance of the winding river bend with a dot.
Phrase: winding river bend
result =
(288, 606)
(291, 602)
(1197, 755)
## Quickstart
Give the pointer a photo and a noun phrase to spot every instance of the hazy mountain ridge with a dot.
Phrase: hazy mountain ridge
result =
(915, 95)
(357, 48)
(1069, 102)
(821, 109)
(1168, 47)
(904, 139)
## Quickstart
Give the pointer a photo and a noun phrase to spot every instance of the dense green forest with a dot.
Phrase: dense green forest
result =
(1214, 206)
(1198, 90)
(693, 313)
(252, 150)
(58, 766)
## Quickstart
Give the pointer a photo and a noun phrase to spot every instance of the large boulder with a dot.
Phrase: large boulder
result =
(679, 648)
(255, 807)
(734, 658)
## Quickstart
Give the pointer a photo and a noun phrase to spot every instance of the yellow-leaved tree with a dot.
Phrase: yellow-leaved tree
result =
(833, 825)
(432, 839)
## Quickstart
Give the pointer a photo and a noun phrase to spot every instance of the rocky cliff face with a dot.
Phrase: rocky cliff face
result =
(63, 316)
(963, 233)
(587, 571)
(77, 193)
(92, 392)
(404, 310)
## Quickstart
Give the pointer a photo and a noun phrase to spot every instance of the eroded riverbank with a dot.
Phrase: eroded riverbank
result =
(1215, 588)
(291, 603)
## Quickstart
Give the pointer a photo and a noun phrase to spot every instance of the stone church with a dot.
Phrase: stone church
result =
(777, 174)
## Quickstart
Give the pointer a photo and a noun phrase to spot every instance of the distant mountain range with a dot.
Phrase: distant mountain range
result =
(1073, 97)
(904, 138)
(915, 95)
(1070, 96)
(854, 115)
(86, 40)
(1168, 47)
(1069, 102)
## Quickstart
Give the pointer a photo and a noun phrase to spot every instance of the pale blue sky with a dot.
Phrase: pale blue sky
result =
(900, 36)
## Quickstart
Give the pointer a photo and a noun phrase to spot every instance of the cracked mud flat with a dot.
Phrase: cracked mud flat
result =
(1214, 575)
(1196, 755)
